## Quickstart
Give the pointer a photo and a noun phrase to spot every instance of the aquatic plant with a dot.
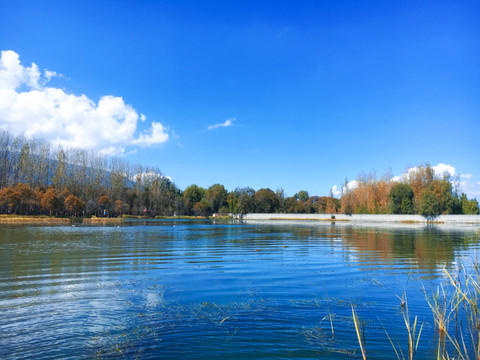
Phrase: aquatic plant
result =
(456, 313)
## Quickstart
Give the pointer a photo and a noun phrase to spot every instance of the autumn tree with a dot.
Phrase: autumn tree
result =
(442, 189)
(104, 203)
(200, 208)
(74, 205)
(50, 202)
(119, 208)
(332, 205)
(419, 178)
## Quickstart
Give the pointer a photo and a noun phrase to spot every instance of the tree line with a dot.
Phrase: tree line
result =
(38, 178)
(418, 192)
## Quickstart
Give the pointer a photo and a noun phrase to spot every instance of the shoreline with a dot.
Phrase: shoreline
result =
(368, 218)
(14, 219)
(354, 219)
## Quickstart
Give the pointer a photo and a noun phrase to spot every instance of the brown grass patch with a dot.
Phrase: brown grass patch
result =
(32, 219)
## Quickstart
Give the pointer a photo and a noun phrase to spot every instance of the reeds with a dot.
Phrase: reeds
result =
(455, 308)
(456, 314)
(413, 335)
(360, 330)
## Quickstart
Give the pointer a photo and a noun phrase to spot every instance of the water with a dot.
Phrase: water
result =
(200, 290)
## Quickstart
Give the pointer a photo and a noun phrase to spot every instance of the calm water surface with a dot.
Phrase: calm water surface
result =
(200, 290)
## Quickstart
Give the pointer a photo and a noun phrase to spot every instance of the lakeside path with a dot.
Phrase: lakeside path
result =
(368, 218)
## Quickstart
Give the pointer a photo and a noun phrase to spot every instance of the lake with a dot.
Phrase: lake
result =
(206, 290)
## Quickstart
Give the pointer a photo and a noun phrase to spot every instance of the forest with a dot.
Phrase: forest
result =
(38, 178)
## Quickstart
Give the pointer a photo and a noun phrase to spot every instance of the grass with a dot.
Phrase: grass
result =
(102, 220)
(33, 219)
(456, 314)
(455, 308)
(360, 330)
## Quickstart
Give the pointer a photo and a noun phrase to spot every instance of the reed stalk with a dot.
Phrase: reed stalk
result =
(360, 330)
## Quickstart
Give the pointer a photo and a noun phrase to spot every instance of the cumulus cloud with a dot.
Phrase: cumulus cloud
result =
(442, 170)
(227, 123)
(28, 106)
(336, 191)
(353, 184)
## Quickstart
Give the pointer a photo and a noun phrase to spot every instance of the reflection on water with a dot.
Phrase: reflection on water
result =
(227, 290)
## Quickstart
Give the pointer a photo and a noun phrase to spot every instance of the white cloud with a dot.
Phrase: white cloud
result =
(351, 185)
(227, 123)
(157, 135)
(466, 176)
(443, 169)
(28, 106)
(336, 191)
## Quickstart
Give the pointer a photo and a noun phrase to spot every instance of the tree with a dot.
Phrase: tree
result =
(104, 203)
(223, 210)
(192, 195)
(429, 206)
(232, 201)
(200, 208)
(266, 201)
(469, 207)
(74, 205)
(442, 189)
(50, 201)
(302, 195)
(419, 178)
(119, 208)
(280, 193)
(58, 179)
(402, 199)
(21, 198)
(216, 196)
(332, 205)
(246, 200)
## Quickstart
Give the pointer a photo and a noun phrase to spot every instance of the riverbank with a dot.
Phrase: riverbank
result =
(369, 218)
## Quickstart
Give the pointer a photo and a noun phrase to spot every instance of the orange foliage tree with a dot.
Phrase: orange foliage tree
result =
(74, 205)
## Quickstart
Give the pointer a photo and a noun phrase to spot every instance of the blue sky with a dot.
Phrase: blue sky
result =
(313, 92)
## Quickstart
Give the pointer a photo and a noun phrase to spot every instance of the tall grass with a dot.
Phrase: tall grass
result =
(455, 308)
(456, 313)
(360, 330)
(412, 333)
